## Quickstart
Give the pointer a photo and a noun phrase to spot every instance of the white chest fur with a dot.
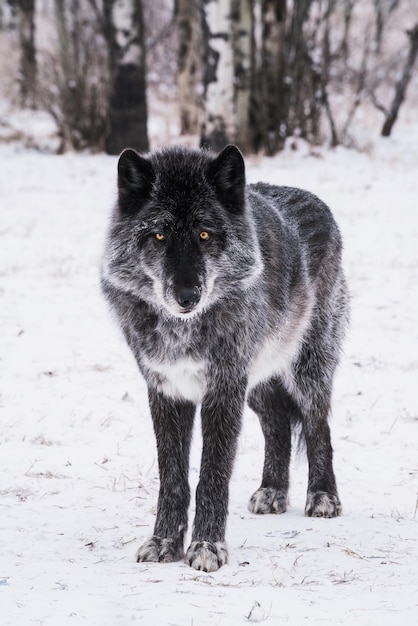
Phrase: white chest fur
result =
(184, 379)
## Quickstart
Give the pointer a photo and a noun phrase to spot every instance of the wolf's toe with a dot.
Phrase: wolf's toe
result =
(322, 504)
(268, 500)
(160, 550)
(206, 556)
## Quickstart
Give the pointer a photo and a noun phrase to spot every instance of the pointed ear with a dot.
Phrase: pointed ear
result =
(227, 174)
(136, 177)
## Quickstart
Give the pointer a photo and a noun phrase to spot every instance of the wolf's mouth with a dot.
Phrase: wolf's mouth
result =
(185, 313)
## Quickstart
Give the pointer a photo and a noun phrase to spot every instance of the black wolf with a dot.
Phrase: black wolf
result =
(226, 293)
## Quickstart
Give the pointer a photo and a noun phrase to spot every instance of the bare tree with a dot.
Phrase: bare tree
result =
(290, 88)
(382, 9)
(28, 66)
(73, 79)
(68, 84)
(189, 64)
(325, 70)
(402, 85)
(269, 81)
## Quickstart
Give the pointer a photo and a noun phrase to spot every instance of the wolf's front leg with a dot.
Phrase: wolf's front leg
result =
(173, 423)
(221, 423)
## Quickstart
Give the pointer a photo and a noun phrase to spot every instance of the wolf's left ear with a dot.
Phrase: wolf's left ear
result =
(136, 177)
(227, 174)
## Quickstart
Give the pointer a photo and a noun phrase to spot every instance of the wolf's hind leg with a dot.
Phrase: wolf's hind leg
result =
(276, 411)
(322, 498)
(173, 424)
(313, 378)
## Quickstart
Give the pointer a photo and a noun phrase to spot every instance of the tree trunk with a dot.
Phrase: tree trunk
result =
(189, 63)
(218, 128)
(271, 82)
(297, 68)
(242, 42)
(403, 83)
(68, 82)
(228, 34)
(127, 103)
(28, 67)
(324, 76)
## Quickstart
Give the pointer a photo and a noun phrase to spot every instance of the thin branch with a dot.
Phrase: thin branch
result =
(362, 77)
(379, 106)
(164, 32)
(403, 83)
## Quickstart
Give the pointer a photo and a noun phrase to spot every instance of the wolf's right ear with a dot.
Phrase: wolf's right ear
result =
(136, 177)
(227, 173)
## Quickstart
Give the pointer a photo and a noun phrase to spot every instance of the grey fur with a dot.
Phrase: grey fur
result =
(256, 312)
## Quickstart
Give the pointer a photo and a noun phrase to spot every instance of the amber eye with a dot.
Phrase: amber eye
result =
(204, 236)
(159, 237)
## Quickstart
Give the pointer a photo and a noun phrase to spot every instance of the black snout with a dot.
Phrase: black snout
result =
(188, 297)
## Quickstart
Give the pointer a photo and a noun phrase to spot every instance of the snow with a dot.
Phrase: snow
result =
(79, 481)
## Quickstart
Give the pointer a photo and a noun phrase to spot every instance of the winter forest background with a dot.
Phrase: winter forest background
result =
(250, 72)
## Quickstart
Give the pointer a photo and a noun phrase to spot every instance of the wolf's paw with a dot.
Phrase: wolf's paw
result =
(268, 500)
(322, 504)
(160, 550)
(206, 556)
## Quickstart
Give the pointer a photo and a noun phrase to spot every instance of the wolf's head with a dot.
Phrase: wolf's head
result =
(181, 236)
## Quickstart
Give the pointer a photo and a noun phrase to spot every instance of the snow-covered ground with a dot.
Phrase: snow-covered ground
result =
(78, 481)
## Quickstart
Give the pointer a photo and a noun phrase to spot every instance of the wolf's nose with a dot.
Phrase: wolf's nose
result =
(188, 297)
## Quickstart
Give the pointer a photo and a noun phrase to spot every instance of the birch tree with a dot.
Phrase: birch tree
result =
(227, 80)
(242, 45)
